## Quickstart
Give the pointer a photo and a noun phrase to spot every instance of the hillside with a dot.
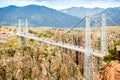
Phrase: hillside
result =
(81, 11)
(112, 13)
(43, 61)
(38, 61)
(37, 16)
(110, 71)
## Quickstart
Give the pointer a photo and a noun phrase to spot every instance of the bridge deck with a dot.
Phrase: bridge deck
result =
(64, 45)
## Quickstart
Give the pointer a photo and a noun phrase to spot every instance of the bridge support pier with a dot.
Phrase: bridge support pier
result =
(104, 46)
(88, 73)
(20, 40)
(19, 32)
(26, 33)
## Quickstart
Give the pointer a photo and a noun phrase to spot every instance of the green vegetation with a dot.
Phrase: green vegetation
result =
(28, 74)
(111, 55)
(10, 52)
(45, 48)
(54, 52)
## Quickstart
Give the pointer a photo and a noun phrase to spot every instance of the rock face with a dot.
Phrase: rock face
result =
(41, 63)
(46, 62)
(110, 71)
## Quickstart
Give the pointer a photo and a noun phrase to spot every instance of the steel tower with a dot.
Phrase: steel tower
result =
(19, 32)
(88, 74)
(104, 46)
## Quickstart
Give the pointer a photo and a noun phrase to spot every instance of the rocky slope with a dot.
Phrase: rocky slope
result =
(40, 61)
(110, 71)
(29, 64)
(77, 37)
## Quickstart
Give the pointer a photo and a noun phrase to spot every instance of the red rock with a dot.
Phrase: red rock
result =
(110, 71)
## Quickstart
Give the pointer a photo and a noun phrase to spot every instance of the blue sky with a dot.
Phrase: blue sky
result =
(62, 4)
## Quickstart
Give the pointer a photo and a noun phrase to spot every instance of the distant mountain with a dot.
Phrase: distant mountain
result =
(81, 11)
(37, 16)
(44, 16)
(113, 15)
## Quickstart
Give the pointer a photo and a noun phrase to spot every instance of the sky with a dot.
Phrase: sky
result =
(63, 4)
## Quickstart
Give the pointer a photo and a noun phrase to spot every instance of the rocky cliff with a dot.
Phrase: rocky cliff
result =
(40, 63)
(110, 71)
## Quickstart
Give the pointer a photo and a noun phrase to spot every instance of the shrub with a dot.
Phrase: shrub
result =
(10, 52)
(28, 74)
(111, 55)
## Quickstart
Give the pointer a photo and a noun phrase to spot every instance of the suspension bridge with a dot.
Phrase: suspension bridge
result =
(87, 50)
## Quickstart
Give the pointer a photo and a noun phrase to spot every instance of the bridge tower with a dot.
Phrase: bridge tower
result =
(26, 32)
(104, 46)
(19, 32)
(88, 75)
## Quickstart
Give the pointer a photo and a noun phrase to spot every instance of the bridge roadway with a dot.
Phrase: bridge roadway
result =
(64, 45)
